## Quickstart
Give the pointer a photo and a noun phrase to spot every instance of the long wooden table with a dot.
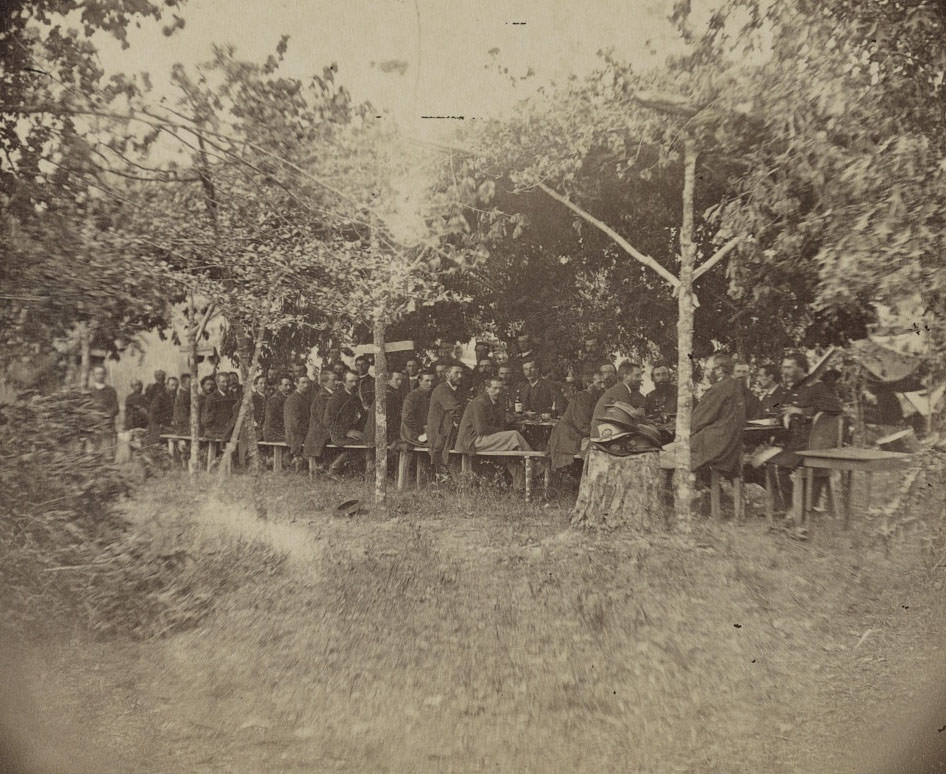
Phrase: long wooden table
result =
(848, 460)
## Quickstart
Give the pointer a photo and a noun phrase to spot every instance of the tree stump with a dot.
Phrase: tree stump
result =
(621, 492)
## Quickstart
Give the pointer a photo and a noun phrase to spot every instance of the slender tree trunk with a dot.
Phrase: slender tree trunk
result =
(685, 305)
(380, 411)
(85, 354)
(193, 464)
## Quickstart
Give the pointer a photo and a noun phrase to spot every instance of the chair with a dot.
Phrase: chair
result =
(827, 432)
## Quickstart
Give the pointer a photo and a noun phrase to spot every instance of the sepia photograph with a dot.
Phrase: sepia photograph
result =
(440, 387)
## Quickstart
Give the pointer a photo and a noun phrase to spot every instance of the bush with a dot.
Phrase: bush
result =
(67, 555)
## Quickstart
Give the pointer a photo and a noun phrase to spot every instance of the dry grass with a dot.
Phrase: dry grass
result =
(463, 631)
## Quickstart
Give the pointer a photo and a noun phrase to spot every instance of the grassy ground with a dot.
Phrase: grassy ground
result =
(463, 631)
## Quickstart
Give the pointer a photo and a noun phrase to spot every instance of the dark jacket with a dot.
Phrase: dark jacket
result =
(661, 401)
(771, 403)
(443, 417)
(716, 429)
(344, 412)
(161, 411)
(365, 391)
(216, 415)
(318, 434)
(259, 410)
(274, 421)
(182, 411)
(414, 416)
(296, 420)
(540, 397)
(812, 397)
(481, 417)
(575, 424)
(136, 411)
(392, 408)
(753, 404)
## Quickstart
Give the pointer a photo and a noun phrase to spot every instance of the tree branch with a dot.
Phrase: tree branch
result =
(715, 258)
(618, 239)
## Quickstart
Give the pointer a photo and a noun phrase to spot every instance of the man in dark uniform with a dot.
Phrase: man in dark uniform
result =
(627, 390)
(182, 407)
(411, 374)
(296, 418)
(570, 433)
(274, 428)
(366, 385)
(161, 412)
(155, 387)
(259, 403)
(136, 410)
(318, 433)
(345, 417)
(106, 400)
(535, 393)
(443, 418)
(216, 412)
(718, 421)
(804, 398)
(662, 400)
(743, 373)
(393, 401)
(482, 374)
(414, 411)
(772, 396)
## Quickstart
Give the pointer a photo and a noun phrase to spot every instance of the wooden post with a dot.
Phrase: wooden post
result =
(85, 355)
(380, 410)
(685, 304)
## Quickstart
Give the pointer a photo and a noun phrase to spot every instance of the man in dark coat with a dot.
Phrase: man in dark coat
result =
(394, 398)
(106, 400)
(161, 412)
(662, 400)
(443, 418)
(296, 417)
(570, 433)
(318, 434)
(182, 407)
(536, 394)
(414, 411)
(366, 385)
(482, 374)
(743, 373)
(411, 375)
(718, 421)
(259, 398)
(483, 428)
(627, 390)
(345, 416)
(772, 396)
(274, 428)
(136, 410)
(155, 387)
(804, 398)
(216, 413)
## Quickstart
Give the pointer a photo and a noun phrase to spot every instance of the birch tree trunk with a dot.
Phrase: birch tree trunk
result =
(85, 355)
(380, 411)
(683, 477)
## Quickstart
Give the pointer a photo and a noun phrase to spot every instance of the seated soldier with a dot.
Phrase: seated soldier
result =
(804, 398)
(161, 412)
(318, 433)
(443, 418)
(136, 410)
(507, 375)
(259, 403)
(216, 410)
(414, 411)
(345, 417)
(440, 372)
(182, 407)
(411, 374)
(296, 418)
(627, 390)
(484, 372)
(535, 393)
(393, 401)
(718, 421)
(609, 374)
(661, 402)
(743, 373)
(366, 387)
(570, 435)
(772, 393)
(482, 429)
(274, 427)
(155, 387)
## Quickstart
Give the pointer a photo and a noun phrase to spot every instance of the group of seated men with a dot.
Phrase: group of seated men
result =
(447, 406)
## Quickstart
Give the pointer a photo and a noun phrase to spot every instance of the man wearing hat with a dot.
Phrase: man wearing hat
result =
(627, 390)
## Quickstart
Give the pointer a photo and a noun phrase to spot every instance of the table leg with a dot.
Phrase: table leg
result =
(419, 468)
(528, 466)
(798, 500)
(171, 447)
(738, 504)
(277, 459)
(835, 489)
(809, 478)
(769, 495)
(867, 484)
(546, 478)
(403, 468)
(211, 453)
(714, 495)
